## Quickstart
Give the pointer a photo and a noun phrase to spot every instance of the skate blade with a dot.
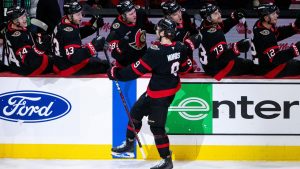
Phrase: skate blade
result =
(122, 155)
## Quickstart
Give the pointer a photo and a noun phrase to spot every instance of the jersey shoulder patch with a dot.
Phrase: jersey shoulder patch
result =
(265, 32)
(16, 34)
(116, 25)
(68, 29)
(212, 30)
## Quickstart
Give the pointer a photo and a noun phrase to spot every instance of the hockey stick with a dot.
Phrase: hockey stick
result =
(243, 20)
(125, 106)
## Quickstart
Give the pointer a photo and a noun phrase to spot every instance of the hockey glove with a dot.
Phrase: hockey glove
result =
(123, 44)
(239, 14)
(111, 72)
(296, 48)
(98, 43)
(243, 45)
(194, 41)
(97, 22)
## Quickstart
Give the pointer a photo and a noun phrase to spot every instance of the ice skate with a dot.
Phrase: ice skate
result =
(125, 150)
(164, 164)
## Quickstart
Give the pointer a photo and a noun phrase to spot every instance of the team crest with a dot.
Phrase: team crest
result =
(16, 34)
(140, 40)
(212, 30)
(68, 29)
(116, 25)
(265, 32)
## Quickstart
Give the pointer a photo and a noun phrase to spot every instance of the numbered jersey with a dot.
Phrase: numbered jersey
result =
(20, 55)
(165, 62)
(214, 52)
(70, 54)
(136, 38)
(266, 51)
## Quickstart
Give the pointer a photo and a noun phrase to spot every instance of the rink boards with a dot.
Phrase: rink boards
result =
(72, 118)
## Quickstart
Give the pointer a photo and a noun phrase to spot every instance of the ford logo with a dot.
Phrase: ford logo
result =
(32, 106)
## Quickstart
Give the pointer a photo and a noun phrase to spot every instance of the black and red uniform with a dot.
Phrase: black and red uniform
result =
(20, 54)
(71, 56)
(165, 62)
(269, 59)
(218, 59)
(128, 40)
(186, 28)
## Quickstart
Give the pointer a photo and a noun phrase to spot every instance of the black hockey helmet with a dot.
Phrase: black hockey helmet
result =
(15, 12)
(125, 6)
(72, 7)
(206, 10)
(168, 26)
(170, 7)
(266, 9)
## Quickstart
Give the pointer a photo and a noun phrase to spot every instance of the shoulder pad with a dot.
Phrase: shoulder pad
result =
(68, 29)
(265, 32)
(116, 25)
(16, 34)
(212, 30)
(154, 47)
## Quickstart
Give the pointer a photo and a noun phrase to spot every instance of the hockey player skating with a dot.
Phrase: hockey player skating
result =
(217, 58)
(71, 56)
(21, 54)
(166, 61)
(269, 59)
(127, 38)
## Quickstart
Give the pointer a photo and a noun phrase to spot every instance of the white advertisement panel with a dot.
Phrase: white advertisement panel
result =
(55, 110)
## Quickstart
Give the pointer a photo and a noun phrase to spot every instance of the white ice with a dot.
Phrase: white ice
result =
(140, 164)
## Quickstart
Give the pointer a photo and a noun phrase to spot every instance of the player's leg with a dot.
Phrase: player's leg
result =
(242, 67)
(292, 68)
(157, 120)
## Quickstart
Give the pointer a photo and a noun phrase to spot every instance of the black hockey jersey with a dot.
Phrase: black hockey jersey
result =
(266, 51)
(20, 54)
(216, 57)
(70, 54)
(136, 34)
(165, 62)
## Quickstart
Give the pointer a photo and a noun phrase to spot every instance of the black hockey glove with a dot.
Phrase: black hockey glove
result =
(111, 72)
(243, 45)
(193, 41)
(297, 22)
(98, 43)
(239, 14)
(124, 44)
(97, 22)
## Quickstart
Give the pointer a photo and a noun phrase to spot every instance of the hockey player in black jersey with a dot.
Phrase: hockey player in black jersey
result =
(21, 55)
(185, 27)
(166, 61)
(127, 38)
(218, 59)
(269, 59)
(71, 56)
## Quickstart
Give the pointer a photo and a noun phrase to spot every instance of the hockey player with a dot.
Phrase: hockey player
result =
(71, 56)
(269, 59)
(127, 38)
(21, 55)
(217, 58)
(166, 61)
(185, 28)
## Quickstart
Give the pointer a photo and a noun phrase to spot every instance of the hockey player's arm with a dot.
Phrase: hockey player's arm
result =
(73, 50)
(133, 71)
(117, 45)
(284, 32)
(91, 27)
(185, 62)
(228, 23)
(188, 24)
(148, 25)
